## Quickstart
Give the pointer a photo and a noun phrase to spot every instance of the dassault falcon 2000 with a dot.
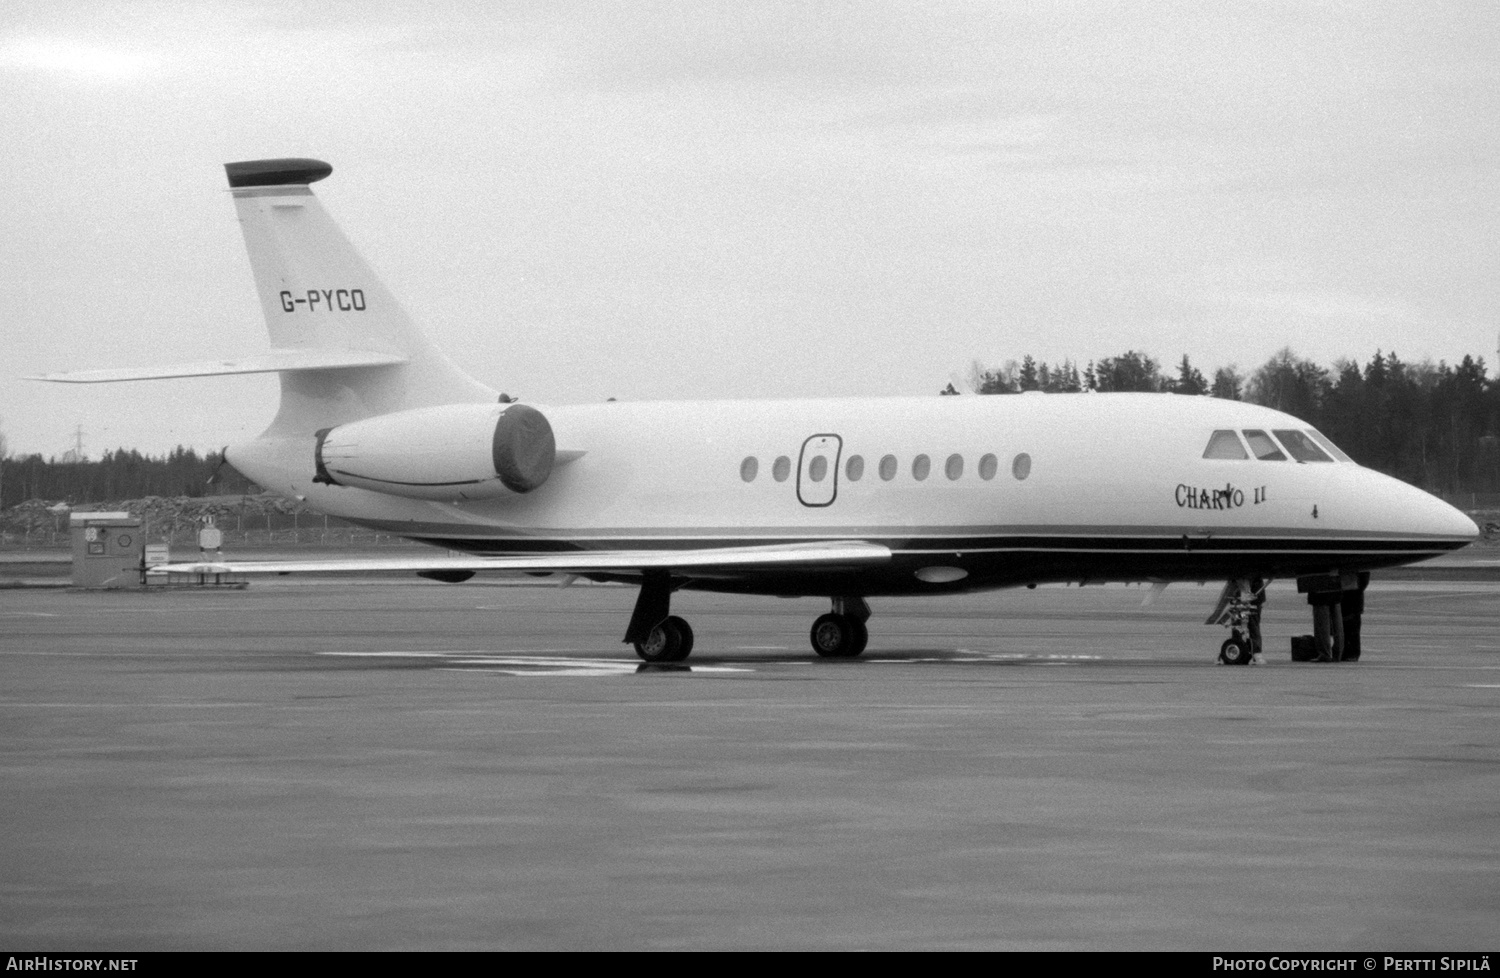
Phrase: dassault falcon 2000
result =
(844, 499)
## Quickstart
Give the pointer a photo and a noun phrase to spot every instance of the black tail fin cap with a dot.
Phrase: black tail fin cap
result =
(275, 173)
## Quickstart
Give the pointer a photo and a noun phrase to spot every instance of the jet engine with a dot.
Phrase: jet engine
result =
(446, 453)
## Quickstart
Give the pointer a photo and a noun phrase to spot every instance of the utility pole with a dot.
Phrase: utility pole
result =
(75, 454)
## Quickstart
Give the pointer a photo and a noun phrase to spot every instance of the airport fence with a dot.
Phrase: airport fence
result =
(253, 530)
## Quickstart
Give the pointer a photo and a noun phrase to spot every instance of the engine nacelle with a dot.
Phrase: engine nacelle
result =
(456, 451)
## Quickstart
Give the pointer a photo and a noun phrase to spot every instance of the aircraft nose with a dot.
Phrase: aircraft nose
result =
(1437, 518)
(1457, 523)
(1392, 506)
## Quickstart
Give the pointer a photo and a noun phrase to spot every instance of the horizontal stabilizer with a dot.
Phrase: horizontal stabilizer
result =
(264, 363)
(711, 562)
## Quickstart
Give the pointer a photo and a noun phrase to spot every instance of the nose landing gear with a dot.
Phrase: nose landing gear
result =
(1236, 650)
(1239, 610)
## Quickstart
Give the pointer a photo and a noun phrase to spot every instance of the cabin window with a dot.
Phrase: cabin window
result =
(888, 468)
(1225, 444)
(1264, 448)
(1021, 467)
(955, 467)
(749, 467)
(1328, 445)
(920, 466)
(781, 468)
(817, 468)
(1301, 447)
(854, 469)
(987, 467)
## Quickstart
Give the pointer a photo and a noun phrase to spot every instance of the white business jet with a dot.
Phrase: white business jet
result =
(844, 499)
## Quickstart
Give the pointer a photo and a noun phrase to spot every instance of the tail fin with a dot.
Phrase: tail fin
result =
(322, 299)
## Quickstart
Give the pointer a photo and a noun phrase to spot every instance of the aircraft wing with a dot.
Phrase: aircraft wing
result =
(261, 363)
(709, 562)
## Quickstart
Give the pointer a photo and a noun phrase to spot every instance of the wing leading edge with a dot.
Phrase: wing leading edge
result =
(725, 561)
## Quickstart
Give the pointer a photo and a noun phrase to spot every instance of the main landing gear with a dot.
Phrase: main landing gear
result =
(669, 641)
(841, 634)
(661, 637)
(657, 634)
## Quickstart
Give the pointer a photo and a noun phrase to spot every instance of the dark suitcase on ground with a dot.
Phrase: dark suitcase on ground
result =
(1304, 648)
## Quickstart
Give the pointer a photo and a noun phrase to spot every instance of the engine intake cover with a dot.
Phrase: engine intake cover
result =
(447, 453)
(524, 448)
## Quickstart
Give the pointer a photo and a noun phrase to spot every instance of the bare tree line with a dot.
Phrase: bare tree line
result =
(119, 474)
(1433, 425)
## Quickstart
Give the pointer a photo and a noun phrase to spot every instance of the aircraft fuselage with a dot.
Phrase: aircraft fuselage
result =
(969, 492)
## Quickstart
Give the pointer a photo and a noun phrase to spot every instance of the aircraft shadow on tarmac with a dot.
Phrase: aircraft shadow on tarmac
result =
(555, 663)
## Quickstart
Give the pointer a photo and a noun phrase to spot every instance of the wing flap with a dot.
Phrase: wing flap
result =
(263, 363)
(708, 562)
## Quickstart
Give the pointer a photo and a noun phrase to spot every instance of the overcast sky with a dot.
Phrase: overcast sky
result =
(682, 200)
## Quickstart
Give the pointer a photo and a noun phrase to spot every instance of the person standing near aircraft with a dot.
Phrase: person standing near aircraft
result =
(1328, 625)
(1353, 607)
(1252, 619)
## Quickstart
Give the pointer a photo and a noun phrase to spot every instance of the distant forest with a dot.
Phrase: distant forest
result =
(120, 474)
(1435, 426)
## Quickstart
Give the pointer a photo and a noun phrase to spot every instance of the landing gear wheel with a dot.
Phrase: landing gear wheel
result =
(662, 644)
(1235, 652)
(860, 638)
(838, 636)
(685, 637)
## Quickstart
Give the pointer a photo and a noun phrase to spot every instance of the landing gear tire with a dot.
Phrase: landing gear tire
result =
(1235, 652)
(838, 636)
(685, 633)
(670, 641)
(860, 639)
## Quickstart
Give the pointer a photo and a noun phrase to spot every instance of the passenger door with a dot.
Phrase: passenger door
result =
(818, 470)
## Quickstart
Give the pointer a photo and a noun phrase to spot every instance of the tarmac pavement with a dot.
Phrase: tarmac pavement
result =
(381, 765)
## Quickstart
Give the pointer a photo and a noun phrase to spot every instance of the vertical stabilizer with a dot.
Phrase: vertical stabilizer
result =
(318, 294)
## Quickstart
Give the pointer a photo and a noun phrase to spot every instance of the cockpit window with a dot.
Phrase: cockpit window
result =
(1328, 446)
(1303, 448)
(1225, 444)
(1264, 448)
